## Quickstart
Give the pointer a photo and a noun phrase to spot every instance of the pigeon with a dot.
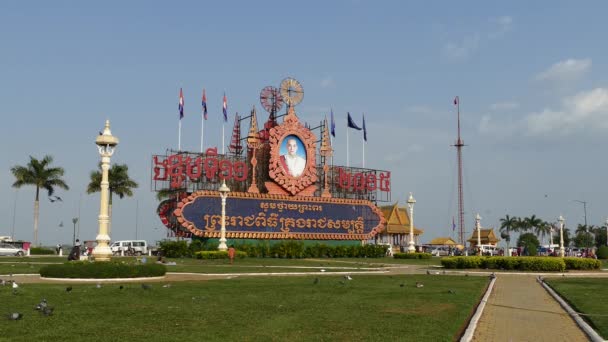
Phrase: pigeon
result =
(493, 275)
(347, 277)
(146, 286)
(419, 285)
(41, 305)
(68, 289)
(48, 311)
(401, 285)
(322, 270)
(2, 282)
(98, 285)
(316, 281)
(121, 287)
(15, 316)
(428, 272)
(451, 291)
(15, 285)
(443, 271)
(167, 285)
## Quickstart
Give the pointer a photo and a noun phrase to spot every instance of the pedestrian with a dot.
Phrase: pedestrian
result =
(231, 252)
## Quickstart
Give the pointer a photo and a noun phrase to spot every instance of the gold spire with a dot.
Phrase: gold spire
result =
(253, 138)
(326, 150)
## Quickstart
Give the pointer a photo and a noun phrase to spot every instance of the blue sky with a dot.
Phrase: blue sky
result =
(530, 76)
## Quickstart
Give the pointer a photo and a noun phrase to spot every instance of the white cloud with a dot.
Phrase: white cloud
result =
(502, 106)
(585, 110)
(328, 82)
(461, 50)
(564, 71)
(503, 23)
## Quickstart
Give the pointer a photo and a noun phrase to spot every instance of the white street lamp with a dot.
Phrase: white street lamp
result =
(410, 204)
(224, 190)
(106, 143)
(478, 227)
(562, 250)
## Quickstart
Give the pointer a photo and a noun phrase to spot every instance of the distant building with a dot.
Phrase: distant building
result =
(487, 237)
(396, 232)
(443, 241)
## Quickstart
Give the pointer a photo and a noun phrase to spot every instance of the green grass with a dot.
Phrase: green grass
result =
(31, 265)
(368, 308)
(588, 296)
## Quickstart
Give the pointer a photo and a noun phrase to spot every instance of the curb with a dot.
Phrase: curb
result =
(594, 336)
(468, 334)
(86, 280)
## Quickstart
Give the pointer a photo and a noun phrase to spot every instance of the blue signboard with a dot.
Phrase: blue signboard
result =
(280, 217)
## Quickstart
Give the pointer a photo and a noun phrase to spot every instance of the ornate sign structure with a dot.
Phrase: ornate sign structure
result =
(284, 188)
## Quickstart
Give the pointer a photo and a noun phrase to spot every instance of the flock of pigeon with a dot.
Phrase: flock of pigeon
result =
(43, 307)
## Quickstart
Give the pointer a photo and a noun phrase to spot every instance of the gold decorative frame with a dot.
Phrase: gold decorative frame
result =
(292, 126)
(278, 235)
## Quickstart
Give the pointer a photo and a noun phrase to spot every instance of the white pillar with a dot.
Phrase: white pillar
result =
(410, 203)
(478, 227)
(562, 250)
(224, 190)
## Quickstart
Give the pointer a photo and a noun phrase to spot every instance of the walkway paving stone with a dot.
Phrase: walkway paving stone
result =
(519, 309)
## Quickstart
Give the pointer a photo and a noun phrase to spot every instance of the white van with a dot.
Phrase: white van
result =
(489, 250)
(126, 247)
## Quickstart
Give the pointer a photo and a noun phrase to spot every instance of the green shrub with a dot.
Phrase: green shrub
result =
(206, 255)
(102, 270)
(41, 251)
(505, 263)
(582, 263)
(175, 249)
(412, 255)
(602, 252)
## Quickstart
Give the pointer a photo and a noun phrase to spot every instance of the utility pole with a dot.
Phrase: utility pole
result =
(584, 210)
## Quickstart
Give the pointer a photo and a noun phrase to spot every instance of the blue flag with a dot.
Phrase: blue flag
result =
(351, 123)
(204, 103)
(333, 124)
(225, 108)
(180, 105)
(364, 130)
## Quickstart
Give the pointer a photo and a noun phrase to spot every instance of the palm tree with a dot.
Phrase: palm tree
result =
(507, 225)
(533, 222)
(542, 229)
(41, 175)
(119, 184)
(522, 225)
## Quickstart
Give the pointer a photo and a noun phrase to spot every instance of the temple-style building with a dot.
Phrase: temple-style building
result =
(487, 237)
(396, 232)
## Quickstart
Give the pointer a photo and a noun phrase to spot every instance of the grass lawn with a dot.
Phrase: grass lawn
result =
(588, 296)
(367, 308)
(31, 265)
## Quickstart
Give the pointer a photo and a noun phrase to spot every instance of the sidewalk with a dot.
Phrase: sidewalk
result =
(519, 309)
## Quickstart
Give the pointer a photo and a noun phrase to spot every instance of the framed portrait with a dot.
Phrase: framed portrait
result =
(292, 155)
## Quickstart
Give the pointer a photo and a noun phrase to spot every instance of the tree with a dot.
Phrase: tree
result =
(532, 222)
(583, 239)
(39, 174)
(542, 229)
(507, 225)
(119, 184)
(529, 241)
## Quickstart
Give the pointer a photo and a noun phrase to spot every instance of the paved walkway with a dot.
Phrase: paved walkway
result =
(520, 309)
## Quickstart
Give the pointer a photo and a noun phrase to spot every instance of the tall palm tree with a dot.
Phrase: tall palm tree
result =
(119, 184)
(522, 225)
(39, 174)
(541, 229)
(507, 225)
(533, 222)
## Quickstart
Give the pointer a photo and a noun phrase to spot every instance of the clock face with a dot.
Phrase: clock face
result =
(292, 91)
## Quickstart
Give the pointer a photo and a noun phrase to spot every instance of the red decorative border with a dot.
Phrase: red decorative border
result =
(265, 235)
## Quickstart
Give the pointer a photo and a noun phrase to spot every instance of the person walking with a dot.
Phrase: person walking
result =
(231, 253)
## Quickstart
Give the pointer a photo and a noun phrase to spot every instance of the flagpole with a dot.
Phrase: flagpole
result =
(347, 153)
(202, 131)
(179, 136)
(363, 141)
(223, 124)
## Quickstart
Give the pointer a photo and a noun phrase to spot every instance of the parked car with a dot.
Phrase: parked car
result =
(440, 251)
(135, 247)
(489, 250)
(10, 250)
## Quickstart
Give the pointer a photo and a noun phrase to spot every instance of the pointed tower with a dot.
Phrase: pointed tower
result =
(253, 142)
(236, 147)
(325, 151)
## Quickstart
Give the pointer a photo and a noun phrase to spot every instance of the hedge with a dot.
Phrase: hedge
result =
(41, 251)
(297, 249)
(506, 263)
(102, 270)
(602, 252)
(412, 255)
(582, 264)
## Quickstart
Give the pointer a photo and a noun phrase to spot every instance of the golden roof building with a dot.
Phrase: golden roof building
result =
(397, 229)
(487, 237)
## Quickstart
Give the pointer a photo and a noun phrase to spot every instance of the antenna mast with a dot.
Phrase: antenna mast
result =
(459, 144)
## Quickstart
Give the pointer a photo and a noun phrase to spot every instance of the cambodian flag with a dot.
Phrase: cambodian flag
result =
(225, 109)
(333, 124)
(204, 102)
(181, 104)
(364, 130)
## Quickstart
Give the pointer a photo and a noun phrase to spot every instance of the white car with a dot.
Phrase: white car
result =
(10, 250)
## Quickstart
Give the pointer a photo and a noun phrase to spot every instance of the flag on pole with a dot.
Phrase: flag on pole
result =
(333, 124)
(453, 224)
(351, 123)
(364, 130)
(225, 109)
(456, 100)
(204, 103)
(181, 104)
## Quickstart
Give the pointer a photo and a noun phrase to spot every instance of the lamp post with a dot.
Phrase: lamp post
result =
(224, 190)
(562, 250)
(584, 203)
(607, 232)
(106, 143)
(74, 221)
(478, 227)
(410, 204)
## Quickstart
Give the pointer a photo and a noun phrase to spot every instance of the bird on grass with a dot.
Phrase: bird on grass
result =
(43, 304)
(146, 287)
(15, 285)
(121, 287)
(167, 285)
(428, 272)
(402, 285)
(316, 281)
(15, 316)
(347, 277)
(48, 311)
(68, 289)
(98, 285)
(322, 270)
(451, 291)
(419, 284)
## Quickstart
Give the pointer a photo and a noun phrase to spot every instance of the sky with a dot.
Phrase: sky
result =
(531, 78)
